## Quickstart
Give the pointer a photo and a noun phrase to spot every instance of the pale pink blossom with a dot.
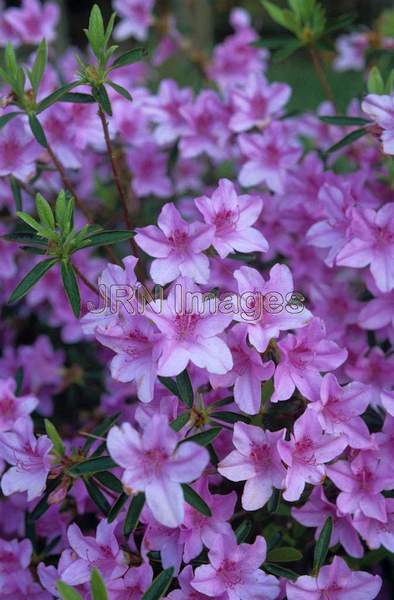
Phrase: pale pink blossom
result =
(256, 460)
(156, 465)
(13, 407)
(136, 18)
(18, 151)
(232, 218)
(381, 109)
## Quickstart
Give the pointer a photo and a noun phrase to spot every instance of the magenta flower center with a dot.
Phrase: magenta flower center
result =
(225, 221)
(185, 325)
(178, 239)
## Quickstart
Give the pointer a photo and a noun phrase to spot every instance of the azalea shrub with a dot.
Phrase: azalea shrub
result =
(197, 308)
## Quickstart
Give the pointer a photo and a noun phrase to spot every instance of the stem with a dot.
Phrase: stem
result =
(122, 195)
(325, 84)
(86, 281)
(115, 169)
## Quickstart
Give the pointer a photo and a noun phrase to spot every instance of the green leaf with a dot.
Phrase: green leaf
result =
(10, 61)
(109, 480)
(204, 438)
(281, 572)
(42, 230)
(71, 288)
(281, 16)
(67, 592)
(97, 496)
(19, 381)
(322, 545)
(4, 119)
(40, 63)
(160, 585)
(97, 586)
(195, 500)
(129, 58)
(375, 82)
(274, 501)
(284, 554)
(101, 96)
(243, 530)
(348, 139)
(180, 421)
(60, 209)
(185, 388)
(110, 27)
(390, 83)
(78, 98)
(287, 50)
(55, 438)
(92, 466)
(133, 514)
(45, 212)
(99, 431)
(17, 194)
(56, 96)
(37, 131)
(120, 90)
(344, 120)
(230, 417)
(117, 507)
(170, 384)
(96, 33)
(106, 238)
(31, 279)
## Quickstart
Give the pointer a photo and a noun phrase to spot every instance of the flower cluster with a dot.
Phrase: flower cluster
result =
(204, 389)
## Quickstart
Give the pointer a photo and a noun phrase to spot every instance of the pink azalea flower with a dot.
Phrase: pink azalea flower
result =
(378, 312)
(255, 460)
(187, 592)
(15, 559)
(29, 457)
(34, 21)
(338, 410)
(190, 331)
(316, 511)
(381, 110)
(376, 369)
(351, 49)
(268, 157)
(136, 18)
(154, 464)
(302, 357)
(331, 232)
(165, 540)
(234, 571)
(232, 218)
(132, 585)
(206, 128)
(148, 166)
(13, 407)
(165, 109)
(371, 235)
(335, 582)
(305, 454)
(102, 552)
(198, 529)
(361, 482)
(373, 531)
(267, 305)
(247, 373)
(18, 151)
(136, 345)
(257, 103)
(177, 247)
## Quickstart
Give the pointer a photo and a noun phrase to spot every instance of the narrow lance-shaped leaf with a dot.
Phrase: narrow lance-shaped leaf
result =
(106, 238)
(97, 496)
(56, 96)
(4, 119)
(37, 131)
(109, 480)
(92, 465)
(284, 554)
(133, 514)
(117, 507)
(99, 431)
(121, 90)
(322, 545)
(160, 585)
(243, 530)
(40, 62)
(185, 388)
(204, 438)
(31, 279)
(348, 139)
(55, 438)
(97, 586)
(129, 58)
(101, 96)
(45, 212)
(281, 572)
(344, 120)
(17, 194)
(195, 500)
(71, 287)
(67, 592)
